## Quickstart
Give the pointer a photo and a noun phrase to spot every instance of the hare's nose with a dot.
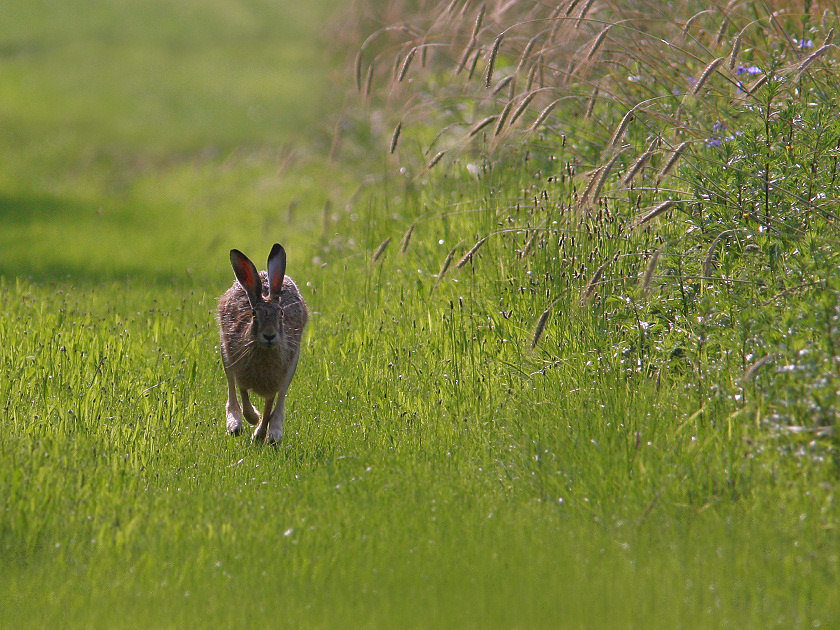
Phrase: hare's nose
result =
(269, 336)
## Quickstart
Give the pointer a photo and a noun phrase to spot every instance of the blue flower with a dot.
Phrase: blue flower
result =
(801, 43)
(750, 70)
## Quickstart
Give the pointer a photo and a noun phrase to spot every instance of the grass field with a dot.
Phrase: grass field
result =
(598, 418)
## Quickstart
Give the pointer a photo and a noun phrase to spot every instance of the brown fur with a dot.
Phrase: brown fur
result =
(249, 363)
(257, 368)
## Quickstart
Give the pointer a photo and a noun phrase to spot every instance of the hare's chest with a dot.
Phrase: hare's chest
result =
(265, 374)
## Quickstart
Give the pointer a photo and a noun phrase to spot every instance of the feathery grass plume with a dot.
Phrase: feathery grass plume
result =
(478, 20)
(462, 62)
(583, 11)
(598, 41)
(590, 106)
(602, 177)
(543, 115)
(829, 37)
(652, 213)
(491, 63)
(501, 85)
(724, 24)
(369, 81)
(446, 262)
(436, 159)
(481, 125)
(622, 127)
(757, 85)
(707, 72)
(584, 198)
(672, 160)
(523, 105)
(526, 51)
(502, 118)
(357, 67)
(691, 20)
(380, 250)
(473, 64)
(396, 71)
(812, 58)
(569, 8)
(469, 254)
(736, 48)
(638, 164)
(532, 75)
(407, 238)
(651, 266)
(540, 327)
(529, 244)
(396, 137)
(406, 63)
(708, 261)
(589, 289)
(750, 372)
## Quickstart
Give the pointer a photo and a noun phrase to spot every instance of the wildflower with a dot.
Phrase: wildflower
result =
(801, 43)
(750, 70)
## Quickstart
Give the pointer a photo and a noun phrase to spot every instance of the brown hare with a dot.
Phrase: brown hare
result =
(261, 319)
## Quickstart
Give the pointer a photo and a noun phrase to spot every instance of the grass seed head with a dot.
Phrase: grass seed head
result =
(812, 58)
(438, 156)
(381, 249)
(651, 214)
(481, 125)
(672, 160)
(395, 138)
(470, 253)
(491, 63)
(540, 327)
(651, 266)
(406, 63)
(589, 290)
(406, 239)
(544, 114)
(707, 72)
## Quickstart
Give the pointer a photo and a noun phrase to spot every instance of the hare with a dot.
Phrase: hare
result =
(261, 319)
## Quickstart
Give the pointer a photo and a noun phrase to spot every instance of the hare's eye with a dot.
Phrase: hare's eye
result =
(253, 312)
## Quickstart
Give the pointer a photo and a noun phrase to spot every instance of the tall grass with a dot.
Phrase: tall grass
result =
(638, 128)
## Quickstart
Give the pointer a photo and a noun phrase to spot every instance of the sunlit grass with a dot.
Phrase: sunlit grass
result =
(437, 470)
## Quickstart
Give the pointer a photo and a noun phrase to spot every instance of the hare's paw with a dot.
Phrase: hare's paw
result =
(258, 436)
(234, 422)
(274, 436)
(251, 415)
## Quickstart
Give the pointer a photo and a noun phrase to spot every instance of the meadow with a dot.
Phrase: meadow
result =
(574, 295)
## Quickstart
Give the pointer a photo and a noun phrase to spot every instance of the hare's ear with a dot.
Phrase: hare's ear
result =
(246, 274)
(276, 270)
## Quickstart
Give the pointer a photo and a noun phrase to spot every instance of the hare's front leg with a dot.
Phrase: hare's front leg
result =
(232, 408)
(278, 416)
(248, 410)
(262, 427)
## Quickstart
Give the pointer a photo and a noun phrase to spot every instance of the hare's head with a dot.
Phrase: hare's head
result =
(266, 327)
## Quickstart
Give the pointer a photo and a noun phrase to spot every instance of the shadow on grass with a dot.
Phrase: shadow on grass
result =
(54, 240)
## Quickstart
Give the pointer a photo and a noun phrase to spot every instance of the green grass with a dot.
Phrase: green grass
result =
(436, 470)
